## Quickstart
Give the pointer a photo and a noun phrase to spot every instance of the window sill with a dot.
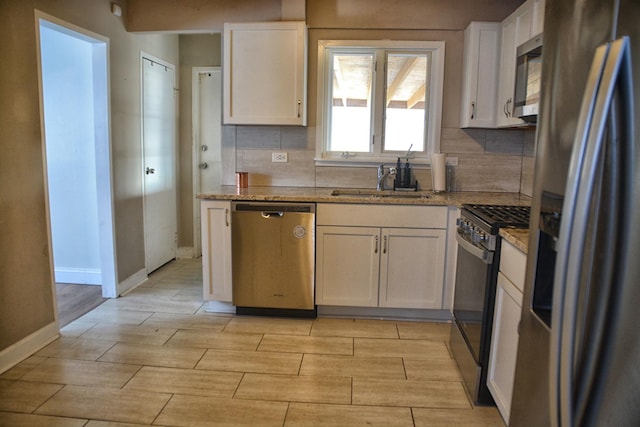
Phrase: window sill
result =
(369, 162)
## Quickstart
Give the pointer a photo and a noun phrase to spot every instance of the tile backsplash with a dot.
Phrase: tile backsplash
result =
(488, 159)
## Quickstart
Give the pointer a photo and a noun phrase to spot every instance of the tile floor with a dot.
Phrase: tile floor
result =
(155, 357)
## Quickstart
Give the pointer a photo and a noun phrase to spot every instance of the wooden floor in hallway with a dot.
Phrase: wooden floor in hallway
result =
(76, 300)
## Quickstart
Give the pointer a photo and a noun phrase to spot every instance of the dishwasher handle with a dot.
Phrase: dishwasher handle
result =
(272, 214)
(273, 208)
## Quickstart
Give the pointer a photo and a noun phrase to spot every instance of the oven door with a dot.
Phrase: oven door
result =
(472, 305)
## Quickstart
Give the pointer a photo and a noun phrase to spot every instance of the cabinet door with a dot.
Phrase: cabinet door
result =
(347, 265)
(507, 75)
(215, 219)
(412, 268)
(516, 29)
(504, 344)
(480, 75)
(537, 26)
(265, 73)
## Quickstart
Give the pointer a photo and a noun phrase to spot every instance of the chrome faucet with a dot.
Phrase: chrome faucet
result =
(382, 176)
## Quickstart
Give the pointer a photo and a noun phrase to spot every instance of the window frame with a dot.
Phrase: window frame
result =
(381, 48)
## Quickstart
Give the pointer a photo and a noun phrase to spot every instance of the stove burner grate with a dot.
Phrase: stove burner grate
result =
(501, 216)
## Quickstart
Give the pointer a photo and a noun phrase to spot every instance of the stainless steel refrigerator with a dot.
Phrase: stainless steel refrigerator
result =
(579, 349)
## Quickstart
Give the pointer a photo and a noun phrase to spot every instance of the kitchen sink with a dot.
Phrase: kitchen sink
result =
(366, 192)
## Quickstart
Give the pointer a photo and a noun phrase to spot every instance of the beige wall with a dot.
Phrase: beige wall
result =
(197, 15)
(489, 160)
(26, 301)
(406, 14)
(196, 50)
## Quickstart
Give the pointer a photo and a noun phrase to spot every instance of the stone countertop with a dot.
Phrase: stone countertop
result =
(323, 195)
(518, 237)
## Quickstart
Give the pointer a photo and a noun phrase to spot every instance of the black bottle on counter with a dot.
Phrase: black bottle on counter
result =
(407, 175)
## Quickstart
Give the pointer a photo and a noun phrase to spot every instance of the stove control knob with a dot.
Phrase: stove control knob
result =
(472, 233)
(479, 236)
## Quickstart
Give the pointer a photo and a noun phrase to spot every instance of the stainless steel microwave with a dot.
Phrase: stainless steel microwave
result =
(528, 71)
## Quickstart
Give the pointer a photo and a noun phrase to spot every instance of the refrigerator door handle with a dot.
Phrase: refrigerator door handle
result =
(557, 393)
(609, 61)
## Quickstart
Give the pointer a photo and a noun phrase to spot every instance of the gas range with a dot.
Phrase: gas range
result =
(480, 224)
(474, 298)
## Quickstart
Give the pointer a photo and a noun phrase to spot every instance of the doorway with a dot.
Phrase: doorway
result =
(207, 139)
(159, 156)
(73, 66)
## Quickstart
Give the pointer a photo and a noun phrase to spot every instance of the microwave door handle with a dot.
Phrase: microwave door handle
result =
(559, 373)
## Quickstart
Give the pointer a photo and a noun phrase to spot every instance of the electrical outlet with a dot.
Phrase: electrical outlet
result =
(451, 161)
(279, 157)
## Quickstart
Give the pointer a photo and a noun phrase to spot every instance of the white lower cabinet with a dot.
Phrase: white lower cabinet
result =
(504, 338)
(384, 266)
(347, 265)
(412, 268)
(215, 217)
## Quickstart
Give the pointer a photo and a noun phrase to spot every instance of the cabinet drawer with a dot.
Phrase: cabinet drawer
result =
(381, 216)
(513, 264)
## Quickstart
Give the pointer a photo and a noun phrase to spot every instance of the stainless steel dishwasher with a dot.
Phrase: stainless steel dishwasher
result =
(273, 257)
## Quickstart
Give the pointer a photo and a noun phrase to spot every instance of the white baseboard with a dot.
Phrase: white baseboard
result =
(80, 276)
(185, 252)
(220, 307)
(132, 282)
(16, 353)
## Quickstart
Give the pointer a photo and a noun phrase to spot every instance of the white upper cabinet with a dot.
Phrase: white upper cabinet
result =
(517, 28)
(538, 17)
(480, 75)
(265, 73)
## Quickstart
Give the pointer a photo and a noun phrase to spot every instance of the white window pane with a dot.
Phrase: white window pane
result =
(405, 102)
(351, 102)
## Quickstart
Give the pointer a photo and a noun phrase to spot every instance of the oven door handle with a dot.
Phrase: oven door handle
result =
(482, 254)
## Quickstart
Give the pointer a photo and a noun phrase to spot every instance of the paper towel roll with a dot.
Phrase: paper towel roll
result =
(438, 170)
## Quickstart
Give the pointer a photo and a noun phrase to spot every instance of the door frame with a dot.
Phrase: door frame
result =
(195, 150)
(104, 168)
(144, 55)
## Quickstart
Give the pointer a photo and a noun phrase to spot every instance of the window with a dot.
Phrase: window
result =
(378, 100)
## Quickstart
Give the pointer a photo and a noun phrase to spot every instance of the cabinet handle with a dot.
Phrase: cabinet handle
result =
(384, 245)
(226, 217)
(504, 109)
(299, 107)
(375, 251)
(509, 107)
(473, 110)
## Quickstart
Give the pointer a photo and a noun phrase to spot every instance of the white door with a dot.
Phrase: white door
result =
(159, 171)
(207, 137)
